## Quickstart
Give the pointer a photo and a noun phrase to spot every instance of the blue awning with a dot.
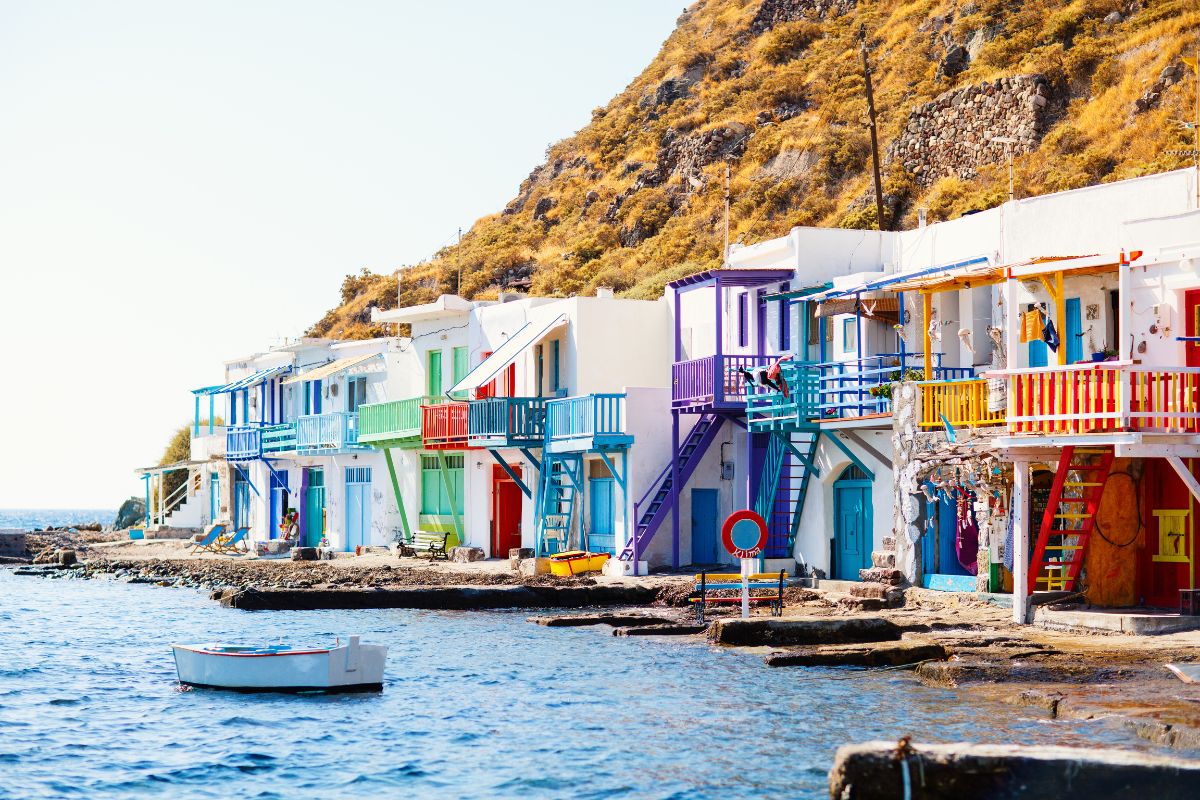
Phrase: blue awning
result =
(899, 277)
(253, 379)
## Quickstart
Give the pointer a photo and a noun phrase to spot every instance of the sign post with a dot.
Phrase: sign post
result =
(744, 535)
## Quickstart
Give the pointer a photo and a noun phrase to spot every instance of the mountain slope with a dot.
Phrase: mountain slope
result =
(1090, 91)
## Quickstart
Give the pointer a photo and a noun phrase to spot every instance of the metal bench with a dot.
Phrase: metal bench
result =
(707, 582)
(433, 544)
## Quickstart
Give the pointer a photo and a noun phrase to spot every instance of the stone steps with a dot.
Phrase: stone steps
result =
(889, 575)
(883, 559)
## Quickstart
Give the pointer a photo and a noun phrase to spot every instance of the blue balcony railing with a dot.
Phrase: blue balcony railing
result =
(507, 422)
(327, 433)
(586, 422)
(243, 443)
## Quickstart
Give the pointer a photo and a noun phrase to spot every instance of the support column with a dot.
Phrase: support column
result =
(196, 421)
(161, 511)
(387, 456)
(1012, 340)
(927, 344)
(1020, 522)
(211, 406)
(675, 489)
(146, 482)
(1124, 339)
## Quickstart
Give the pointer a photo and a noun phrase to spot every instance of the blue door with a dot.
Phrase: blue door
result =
(358, 507)
(241, 502)
(1073, 337)
(939, 544)
(601, 535)
(704, 527)
(852, 525)
(279, 500)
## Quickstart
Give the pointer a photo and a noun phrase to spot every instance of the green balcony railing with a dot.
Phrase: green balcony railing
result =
(394, 421)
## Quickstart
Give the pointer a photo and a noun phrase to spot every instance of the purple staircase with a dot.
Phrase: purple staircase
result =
(652, 509)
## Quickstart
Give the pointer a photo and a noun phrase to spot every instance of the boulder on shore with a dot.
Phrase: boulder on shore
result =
(131, 514)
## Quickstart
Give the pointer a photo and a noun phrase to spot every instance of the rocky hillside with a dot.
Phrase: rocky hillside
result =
(773, 90)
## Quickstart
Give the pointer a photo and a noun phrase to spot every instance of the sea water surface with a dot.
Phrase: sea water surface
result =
(30, 518)
(475, 705)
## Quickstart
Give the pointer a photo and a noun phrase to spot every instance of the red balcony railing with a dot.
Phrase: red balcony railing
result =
(444, 426)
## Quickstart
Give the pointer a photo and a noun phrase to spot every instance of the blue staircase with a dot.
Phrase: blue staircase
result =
(787, 470)
(560, 486)
(652, 510)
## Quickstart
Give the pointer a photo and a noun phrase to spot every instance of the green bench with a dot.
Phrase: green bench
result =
(434, 544)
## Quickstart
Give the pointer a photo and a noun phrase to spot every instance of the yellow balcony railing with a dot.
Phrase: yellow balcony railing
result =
(962, 403)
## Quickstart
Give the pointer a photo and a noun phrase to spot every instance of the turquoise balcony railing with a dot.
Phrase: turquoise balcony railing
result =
(327, 433)
(507, 422)
(278, 439)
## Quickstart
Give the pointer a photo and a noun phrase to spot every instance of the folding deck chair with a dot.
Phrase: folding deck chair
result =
(208, 540)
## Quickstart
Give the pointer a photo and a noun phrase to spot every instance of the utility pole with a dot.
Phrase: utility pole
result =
(862, 42)
(458, 263)
(725, 252)
(1008, 142)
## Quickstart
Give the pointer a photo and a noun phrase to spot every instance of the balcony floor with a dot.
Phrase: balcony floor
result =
(502, 442)
(585, 444)
(1125, 444)
(401, 440)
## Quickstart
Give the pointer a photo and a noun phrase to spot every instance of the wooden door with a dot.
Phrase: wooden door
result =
(852, 528)
(705, 548)
(1166, 562)
(314, 508)
(506, 512)
(1192, 326)
(601, 534)
(1073, 331)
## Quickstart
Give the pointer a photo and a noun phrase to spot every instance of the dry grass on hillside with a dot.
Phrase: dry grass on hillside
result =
(774, 89)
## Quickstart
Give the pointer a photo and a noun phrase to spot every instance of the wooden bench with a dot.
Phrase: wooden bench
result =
(708, 582)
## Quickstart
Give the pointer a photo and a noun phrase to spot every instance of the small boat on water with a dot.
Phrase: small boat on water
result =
(349, 667)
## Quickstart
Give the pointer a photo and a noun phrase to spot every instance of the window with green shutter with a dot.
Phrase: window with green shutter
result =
(458, 359)
(433, 373)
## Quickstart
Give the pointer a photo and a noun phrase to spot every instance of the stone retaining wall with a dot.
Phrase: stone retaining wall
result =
(951, 135)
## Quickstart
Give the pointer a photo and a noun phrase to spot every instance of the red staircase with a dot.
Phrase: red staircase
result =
(1070, 518)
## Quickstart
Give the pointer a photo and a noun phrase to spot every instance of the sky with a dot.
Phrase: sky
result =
(182, 184)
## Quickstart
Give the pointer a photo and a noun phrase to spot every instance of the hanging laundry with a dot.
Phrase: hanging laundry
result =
(964, 334)
(1050, 336)
(1031, 326)
(935, 326)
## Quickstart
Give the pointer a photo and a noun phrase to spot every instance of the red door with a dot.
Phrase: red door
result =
(506, 512)
(1191, 302)
(1166, 562)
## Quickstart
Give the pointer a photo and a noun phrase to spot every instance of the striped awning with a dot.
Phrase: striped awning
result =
(491, 366)
(332, 368)
(253, 379)
(867, 306)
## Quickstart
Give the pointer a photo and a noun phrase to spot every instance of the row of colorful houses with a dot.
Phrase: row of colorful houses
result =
(950, 406)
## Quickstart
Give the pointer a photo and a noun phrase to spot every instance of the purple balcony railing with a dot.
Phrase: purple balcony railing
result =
(713, 381)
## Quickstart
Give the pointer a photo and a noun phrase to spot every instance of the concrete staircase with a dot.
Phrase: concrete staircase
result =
(186, 515)
(881, 584)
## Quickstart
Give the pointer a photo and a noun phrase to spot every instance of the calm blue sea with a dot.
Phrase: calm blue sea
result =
(476, 705)
(30, 518)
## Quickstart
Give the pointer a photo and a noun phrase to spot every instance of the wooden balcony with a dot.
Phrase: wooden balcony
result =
(393, 424)
(585, 423)
(243, 443)
(327, 434)
(713, 383)
(497, 422)
(1102, 397)
(837, 392)
(444, 426)
(278, 440)
(961, 403)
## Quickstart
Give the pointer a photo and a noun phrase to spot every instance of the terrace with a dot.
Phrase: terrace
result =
(497, 422)
(586, 423)
(327, 434)
(393, 424)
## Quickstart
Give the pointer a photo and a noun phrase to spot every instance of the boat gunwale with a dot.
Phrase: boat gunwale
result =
(193, 649)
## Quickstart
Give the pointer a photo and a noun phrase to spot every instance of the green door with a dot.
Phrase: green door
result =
(433, 373)
(314, 508)
(458, 357)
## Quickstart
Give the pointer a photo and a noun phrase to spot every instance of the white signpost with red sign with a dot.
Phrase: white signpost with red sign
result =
(744, 535)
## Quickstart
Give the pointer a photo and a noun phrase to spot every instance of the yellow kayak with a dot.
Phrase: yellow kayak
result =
(575, 562)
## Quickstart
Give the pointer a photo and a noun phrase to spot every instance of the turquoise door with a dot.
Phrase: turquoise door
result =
(241, 502)
(358, 507)
(314, 508)
(601, 536)
(852, 522)
(1073, 337)
(214, 496)
(704, 527)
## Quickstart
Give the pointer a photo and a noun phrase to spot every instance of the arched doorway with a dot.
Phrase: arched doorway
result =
(852, 524)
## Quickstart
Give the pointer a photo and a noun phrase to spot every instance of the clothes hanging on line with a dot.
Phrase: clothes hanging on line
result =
(1031, 326)
(1050, 336)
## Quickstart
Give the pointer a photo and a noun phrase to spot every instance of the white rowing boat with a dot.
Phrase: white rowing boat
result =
(352, 666)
